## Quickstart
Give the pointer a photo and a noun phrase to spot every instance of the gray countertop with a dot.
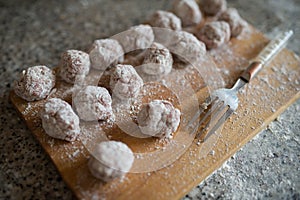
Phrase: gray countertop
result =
(36, 32)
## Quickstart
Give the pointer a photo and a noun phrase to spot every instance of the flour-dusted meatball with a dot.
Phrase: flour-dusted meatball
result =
(158, 119)
(213, 7)
(188, 11)
(214, 34)
(232, 17)
(59, 120)
(105, 52)
(93, 103)
(184, 46)
(74, 63)
(164, 19)
(35, 83)
(125, 83)
(110, 160)
(158, 60)
(136, 38)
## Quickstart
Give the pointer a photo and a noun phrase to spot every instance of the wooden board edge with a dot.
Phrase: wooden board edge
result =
(220, 162)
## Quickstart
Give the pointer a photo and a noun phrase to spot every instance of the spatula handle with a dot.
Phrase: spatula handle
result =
(266, 55)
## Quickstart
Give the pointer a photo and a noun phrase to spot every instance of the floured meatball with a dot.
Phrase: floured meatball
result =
(188, 11)
(59, 120)
(164, 19)
(214, 34)
(74, 63)
(158, 60)
(110, 160)
(232, 17)
(125, 83)
(158, 119)
(136, 38)
(184, 46)
(213, 7)
(93, 103)
(106, 52)
(35, 83)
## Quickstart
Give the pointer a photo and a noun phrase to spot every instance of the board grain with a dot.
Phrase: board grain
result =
(268, 95)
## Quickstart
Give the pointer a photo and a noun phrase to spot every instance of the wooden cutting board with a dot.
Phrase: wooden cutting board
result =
(268, 95)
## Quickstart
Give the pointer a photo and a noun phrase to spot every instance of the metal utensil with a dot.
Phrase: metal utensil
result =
(223, 102)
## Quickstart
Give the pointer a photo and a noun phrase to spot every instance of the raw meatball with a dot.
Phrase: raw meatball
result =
(93, 103)
(159, 119)
(110, 160)
(213, 7)
(125, 83)
(59, 120)
(106, 52)
(164, 19)
(136, 38)
(74, 63)
(214, 34)
(188, 11)
(35, 83)
(158, 60)
(185, 46)
(232, 17)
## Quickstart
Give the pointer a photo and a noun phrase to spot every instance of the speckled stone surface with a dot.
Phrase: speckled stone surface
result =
(37, 32)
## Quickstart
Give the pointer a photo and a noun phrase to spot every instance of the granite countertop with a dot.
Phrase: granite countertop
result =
(36, 32)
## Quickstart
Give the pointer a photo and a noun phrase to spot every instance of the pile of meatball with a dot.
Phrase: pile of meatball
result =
(152, 57)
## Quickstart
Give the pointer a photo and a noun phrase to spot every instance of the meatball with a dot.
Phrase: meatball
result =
(74, 63)
(158, 60)
(93, 103)
(232, 17)
(136, 38)
(164, 19)
(125, 83)
(59, 120)
(213, 7)
(105, 53)
(214, 34)
(35, 83)
(184, 46)
(158, 119)
(188, 11)
(110, 160)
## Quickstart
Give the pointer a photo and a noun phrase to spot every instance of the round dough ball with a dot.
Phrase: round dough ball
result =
(74, 63)
(35, 83)
(125, 83)
(185, 46)
(213, 7)
(105, 53)
(232, 17)
(59, 120)
(93, 103)
(158, 119)
(136, 38)
(158, 60)
(188, 11)
(110, 160)
(164, 19)
(214, 34)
